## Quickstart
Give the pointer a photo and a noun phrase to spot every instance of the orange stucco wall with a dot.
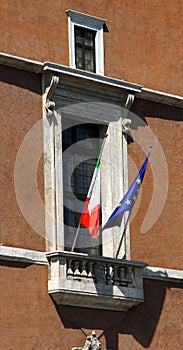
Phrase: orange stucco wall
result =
(143, 41)
(21, 108)
(142, 45)
(29, 320)
(160, 245)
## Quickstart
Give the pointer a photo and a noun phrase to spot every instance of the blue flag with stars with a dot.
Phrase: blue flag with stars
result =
(126, 204)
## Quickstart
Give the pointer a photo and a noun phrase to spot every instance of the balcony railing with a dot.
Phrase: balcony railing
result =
(95, 282)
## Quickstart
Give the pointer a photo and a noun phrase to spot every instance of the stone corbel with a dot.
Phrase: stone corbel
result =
(49, 94)
(126, 122)
(92, 343)
(129, 101)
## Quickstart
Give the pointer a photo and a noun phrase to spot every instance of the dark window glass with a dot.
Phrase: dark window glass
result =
(78, 167)
(85, 49)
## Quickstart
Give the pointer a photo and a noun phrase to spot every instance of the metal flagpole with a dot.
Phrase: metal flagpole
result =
(123, 235)
(128, 218)
(75, 238)
(90, 189)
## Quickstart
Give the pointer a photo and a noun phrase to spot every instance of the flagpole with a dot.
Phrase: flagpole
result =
(124, 232)
(75, 238)
(128, 218)
(90, 189)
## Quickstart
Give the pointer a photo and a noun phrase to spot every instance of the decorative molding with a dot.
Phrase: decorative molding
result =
(49, 94)
(163, 274)
(21, 63)
(92, 77)
(22, 255)
(129, 101)
(37, 257)
(95, 282)
(92, 343)
(38, 67)
(125, 122)
(85, 19)
(161, 97)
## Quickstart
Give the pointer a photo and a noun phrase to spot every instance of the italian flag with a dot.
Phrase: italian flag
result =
(90, 217)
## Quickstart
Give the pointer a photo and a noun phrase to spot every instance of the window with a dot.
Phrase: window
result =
(86, 47)
(81, 146)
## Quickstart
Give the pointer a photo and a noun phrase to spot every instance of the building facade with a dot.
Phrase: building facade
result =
(71, 73)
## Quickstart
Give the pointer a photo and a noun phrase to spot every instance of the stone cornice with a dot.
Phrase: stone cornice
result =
(72, 72)
(163, 274)
(139, 91)
(22, 255)
(161, 97)
(21, 63)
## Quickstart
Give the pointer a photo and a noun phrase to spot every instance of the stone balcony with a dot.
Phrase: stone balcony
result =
(95, 282)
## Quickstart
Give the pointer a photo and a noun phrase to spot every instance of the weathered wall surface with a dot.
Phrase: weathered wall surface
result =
(146, 37)
(29, 319)
(161, 244)
(21, 109)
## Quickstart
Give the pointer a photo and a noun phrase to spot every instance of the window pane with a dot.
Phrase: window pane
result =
(89, 60)
(79, 63)
(67, 138)
(89, 39)
(78, 36)
(83, 174)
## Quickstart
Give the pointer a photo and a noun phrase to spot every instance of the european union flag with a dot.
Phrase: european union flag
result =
(129, 199)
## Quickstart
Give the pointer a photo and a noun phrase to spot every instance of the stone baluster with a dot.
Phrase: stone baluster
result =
(100, 273)
(70, 273)
(77, 273)
(122, 277)
(116, 279)
(108, 274)
(90, 271)
(83, 270)
(131, 277)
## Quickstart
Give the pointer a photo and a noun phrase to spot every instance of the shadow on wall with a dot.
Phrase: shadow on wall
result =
(141, 321)
(156, 110)
(23, 79)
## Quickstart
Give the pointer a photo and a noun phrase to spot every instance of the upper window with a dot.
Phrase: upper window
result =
(86, 47)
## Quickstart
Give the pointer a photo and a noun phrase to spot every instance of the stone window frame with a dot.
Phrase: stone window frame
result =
(92, 23)
(63, 88)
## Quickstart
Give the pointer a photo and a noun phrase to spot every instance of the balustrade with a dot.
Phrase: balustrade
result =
(98, 282)
(100, 272)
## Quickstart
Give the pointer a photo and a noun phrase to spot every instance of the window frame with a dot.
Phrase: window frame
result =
(92, 23)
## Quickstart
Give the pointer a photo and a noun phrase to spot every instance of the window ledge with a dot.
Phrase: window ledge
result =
(95, 282)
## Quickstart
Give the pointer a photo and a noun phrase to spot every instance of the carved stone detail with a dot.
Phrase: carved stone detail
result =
(125, 121)
(95, 282)
(92, 343)
(129, 101)
(49, 93)
(125, 124)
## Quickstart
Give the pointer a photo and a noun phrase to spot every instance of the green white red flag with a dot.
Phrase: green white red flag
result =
(90, 217)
